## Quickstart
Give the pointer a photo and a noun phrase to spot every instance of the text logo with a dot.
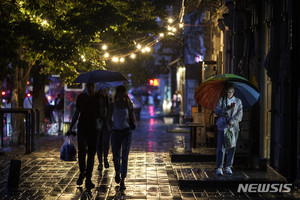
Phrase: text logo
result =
(265, 187)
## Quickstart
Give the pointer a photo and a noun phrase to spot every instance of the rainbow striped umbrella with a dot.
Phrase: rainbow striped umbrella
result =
(209, 92)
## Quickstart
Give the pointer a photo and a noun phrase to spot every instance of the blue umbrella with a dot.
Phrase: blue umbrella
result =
(248, 95)
(100, 76)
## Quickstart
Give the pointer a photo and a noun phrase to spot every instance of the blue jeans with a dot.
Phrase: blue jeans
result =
(103, 143)
(121, 140)
(221, 152)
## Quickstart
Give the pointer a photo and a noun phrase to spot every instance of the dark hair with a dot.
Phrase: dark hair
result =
(89, 84)
(121, 98)
(121, 89)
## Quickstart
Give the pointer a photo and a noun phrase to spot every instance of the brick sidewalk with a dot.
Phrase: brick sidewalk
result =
(150, 172)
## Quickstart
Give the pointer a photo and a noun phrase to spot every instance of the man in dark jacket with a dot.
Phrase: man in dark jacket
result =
(89, 113)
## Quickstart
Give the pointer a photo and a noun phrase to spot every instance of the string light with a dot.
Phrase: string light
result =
(83, 58)
(147, 49)
(139, 46)
(121, 58)
(104, 47)
(44, 23)
(115, 59)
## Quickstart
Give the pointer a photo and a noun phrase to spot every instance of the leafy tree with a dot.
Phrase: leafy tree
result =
(64, 36)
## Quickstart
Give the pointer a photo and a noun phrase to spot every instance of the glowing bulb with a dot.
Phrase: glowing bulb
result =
(132, 56)
(106, 55)
(147, 49)
(104, 47)
(181, 25)
(169, 28)
(115, 59)
(170, 33)
(161, 35)
(174, 29)
(82, 56)
(45, 22)
(139, 46)
(83, 59)
(170, 20)
(122, 59)
(143, 50)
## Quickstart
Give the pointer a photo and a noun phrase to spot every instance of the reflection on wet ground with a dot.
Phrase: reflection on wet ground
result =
(151, 174)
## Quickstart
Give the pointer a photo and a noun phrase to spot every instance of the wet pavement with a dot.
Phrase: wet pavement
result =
(151, 174)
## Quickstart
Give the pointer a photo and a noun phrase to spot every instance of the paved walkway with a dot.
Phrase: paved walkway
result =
(150, 171)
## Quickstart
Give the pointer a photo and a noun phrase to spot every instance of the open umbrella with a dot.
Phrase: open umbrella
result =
(208, 93)
(104, 85)
(100, 76)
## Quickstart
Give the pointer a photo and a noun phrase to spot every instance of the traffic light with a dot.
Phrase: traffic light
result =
(154, 82)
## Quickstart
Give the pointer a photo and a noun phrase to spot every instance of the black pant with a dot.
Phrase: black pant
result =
(103, 143)
(87, 144)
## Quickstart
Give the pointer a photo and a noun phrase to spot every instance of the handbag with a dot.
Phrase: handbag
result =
(229, 138)
(68, 150)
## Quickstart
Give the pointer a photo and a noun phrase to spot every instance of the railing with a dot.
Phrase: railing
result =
(32, 131)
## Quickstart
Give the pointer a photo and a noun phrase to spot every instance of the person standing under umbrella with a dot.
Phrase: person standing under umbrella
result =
(123, 122)
(104, 136)
(89, 110)
(230, 111)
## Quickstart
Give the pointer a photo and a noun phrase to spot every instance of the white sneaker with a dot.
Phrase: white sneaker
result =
(228, 170)
(219, 172)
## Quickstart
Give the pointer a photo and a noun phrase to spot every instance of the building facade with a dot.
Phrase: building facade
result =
(257, 40)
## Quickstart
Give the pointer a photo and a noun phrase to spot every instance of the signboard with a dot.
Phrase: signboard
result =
(74, 87)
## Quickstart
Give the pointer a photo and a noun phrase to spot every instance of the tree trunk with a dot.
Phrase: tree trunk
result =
(39, 99)
(18, 96)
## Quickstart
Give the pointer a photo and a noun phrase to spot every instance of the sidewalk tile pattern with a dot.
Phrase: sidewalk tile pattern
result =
(151, 174)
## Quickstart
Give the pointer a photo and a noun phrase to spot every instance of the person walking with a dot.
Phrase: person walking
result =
(123, 122)
(89, 112)
(59, 110)
(104, 136)
(230, 112)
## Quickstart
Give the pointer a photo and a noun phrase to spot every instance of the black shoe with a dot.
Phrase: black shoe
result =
(106, 164)
(80, 179)
(89, 184)
(117, 178)
(122, 185)
(100, 167)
